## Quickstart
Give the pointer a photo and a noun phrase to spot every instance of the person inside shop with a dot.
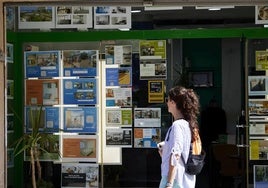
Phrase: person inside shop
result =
(213, 123)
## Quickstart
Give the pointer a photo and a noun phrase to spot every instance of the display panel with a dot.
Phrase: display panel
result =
(119, 137)
(83, 175)
(119, 117)
(147, 117)
(42, 92)
(80, 119)
(36, 17)
(112, 17)
(81, 91)
(260, 173)
(51, 153)
(116, 54)
(49, 118)
(119, 97)
(42, 64)
(80, 62)
(121, 76)
(257, 85)
(80, 148)
(78, 17)
(146, 137)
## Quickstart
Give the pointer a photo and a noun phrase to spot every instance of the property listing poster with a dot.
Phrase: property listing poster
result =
(10, 157)
(147, 117)
(79, 148)
(9, 53)
(261, 60)
(119, 97)
(257, 85)
(49, 118)
(156, 91)
(119, 117)
(10, 18)
(79, 175)
(147, 137)
(260, 173)
(80, 91)
(153, 69)
(80, 62)
(52, 149)
(260, 128)
(153, 63)
(112, 17)
(261, 16)
(80, 119)
(258, 110)
(10, 122)
(115, 54)
(258, 149)
(10, 89)
(42, 92)
(119, 137)
(152, 49)
(36, 17)
(42, 64)
(121, 76)
(79, 17)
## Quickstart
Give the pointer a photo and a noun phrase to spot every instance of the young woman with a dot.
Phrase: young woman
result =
(184, 105)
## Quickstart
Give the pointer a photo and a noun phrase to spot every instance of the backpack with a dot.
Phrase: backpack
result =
(196, 158)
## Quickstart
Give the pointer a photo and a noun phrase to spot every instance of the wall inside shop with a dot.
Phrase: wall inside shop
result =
(232, 82)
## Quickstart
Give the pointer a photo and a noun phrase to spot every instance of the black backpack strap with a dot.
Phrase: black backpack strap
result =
(188, 155)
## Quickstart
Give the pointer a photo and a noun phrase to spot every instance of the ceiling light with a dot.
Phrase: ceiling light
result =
(135, 11)
(124, 29)
(152, 8)
(213, 7)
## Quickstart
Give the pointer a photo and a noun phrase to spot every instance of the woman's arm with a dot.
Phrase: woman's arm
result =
(172, 170)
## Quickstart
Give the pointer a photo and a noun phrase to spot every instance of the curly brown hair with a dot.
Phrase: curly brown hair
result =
(187, 102)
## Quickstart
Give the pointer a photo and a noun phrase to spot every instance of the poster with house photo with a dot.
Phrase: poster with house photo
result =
(80, 119)
(49, 118)
(261, 14)
(261, 60)
(146, 137)
(258, 110)
(51, 152)
(42, 92)
(81, 91)
(119, 117)
(80, 62)
(258, 148)
(9, 53)
(119, 97)
(84, 175)
(119, 137)
(118, 54)
(121, 76)
(79, 17)
(257, 85)
(79, 148)
(36, 17)
(260, 173)
(42, 64)
(112, 17)
(147, 117)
